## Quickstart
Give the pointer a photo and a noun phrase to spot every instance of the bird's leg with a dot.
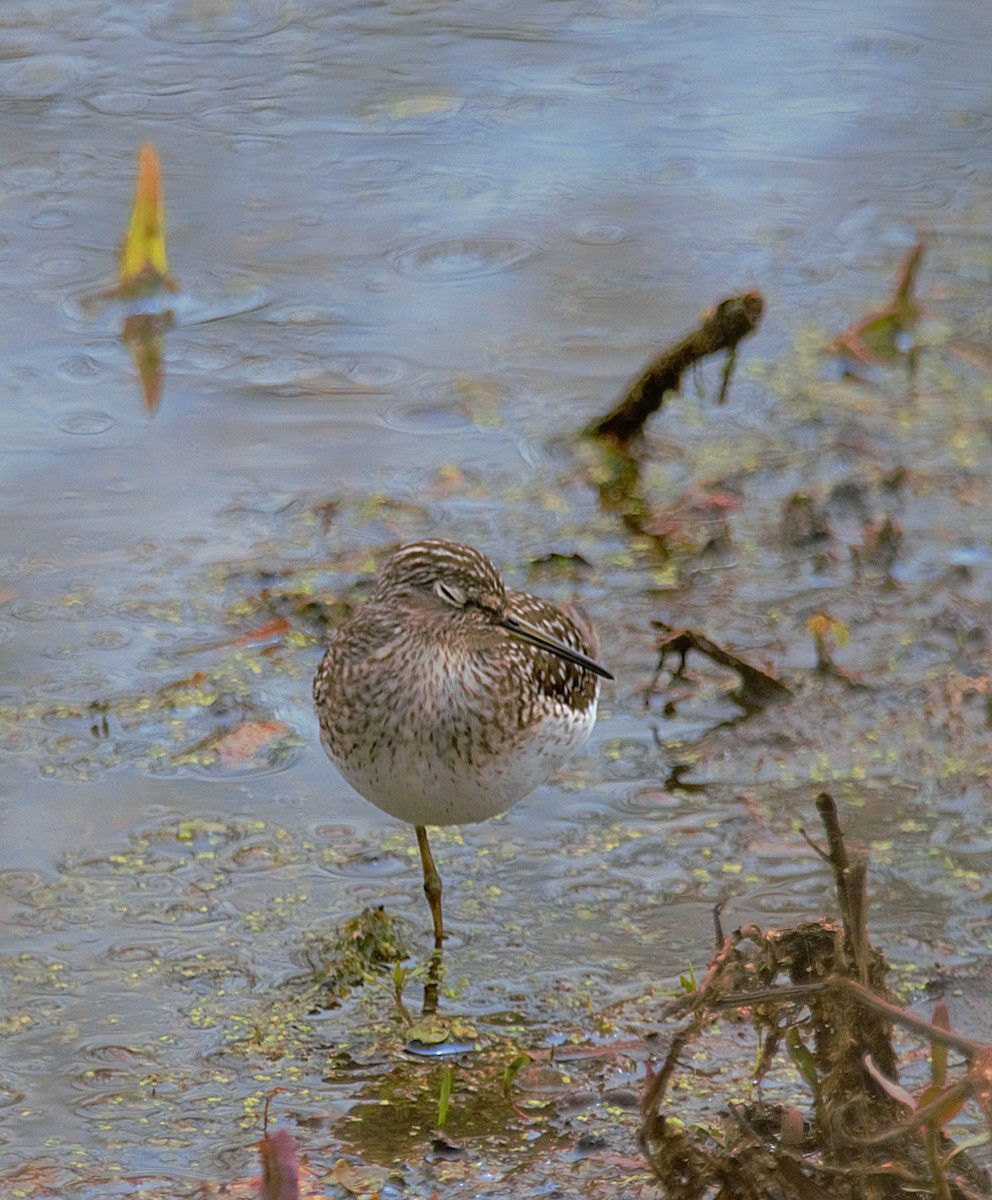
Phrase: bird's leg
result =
(432, 885)
(432, 890)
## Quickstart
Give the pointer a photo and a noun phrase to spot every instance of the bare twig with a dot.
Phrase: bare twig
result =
(758, 688)
(850, 881)
(724, 328)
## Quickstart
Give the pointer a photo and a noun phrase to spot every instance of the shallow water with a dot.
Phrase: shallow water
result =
(418, 248)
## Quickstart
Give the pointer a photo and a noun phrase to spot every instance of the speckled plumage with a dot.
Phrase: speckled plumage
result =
(434, 701)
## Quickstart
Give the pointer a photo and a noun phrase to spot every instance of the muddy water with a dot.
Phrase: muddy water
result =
(418, 247)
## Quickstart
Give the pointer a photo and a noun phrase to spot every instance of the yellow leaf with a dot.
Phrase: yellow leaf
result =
(143, 254)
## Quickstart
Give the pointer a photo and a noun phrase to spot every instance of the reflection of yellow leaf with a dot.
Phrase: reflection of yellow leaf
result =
(144, 335)
(143, 257)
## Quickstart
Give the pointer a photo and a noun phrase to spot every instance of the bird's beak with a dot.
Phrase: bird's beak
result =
(537, 637)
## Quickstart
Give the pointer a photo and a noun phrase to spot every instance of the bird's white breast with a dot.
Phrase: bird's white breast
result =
(442, 755)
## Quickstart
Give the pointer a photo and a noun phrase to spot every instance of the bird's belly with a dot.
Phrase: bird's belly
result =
(418, 781)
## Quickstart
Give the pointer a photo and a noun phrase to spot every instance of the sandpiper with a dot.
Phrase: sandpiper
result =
(446, 698)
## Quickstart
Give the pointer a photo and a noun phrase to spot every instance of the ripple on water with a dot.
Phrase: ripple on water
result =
(31, 175)
(650, 85)
(119, 104)
(144, 864)
(366, 864)
(315, 317)
(253, 147)
(108, 639)
(120, 1099)
(439, 402)
(85, 424)
(111, 1069)
(247, 21)
(20, 884)
(83, 368)
(132, 952)
(203, 298)
(42, 76)
(212, 296)
(334, 832)
(257, 856)
(209, 972)
(591, 233)
(236, 118)
(368, 370)
(50, 218)
(647, 799)
(424, 418)
(277, 755)
(10, 1096)
(462, 258)
(54, 609)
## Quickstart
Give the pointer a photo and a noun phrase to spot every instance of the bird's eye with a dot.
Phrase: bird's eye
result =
(450, 593)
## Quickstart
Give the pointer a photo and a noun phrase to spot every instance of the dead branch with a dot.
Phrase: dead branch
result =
(758, 688)
(724, 328)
